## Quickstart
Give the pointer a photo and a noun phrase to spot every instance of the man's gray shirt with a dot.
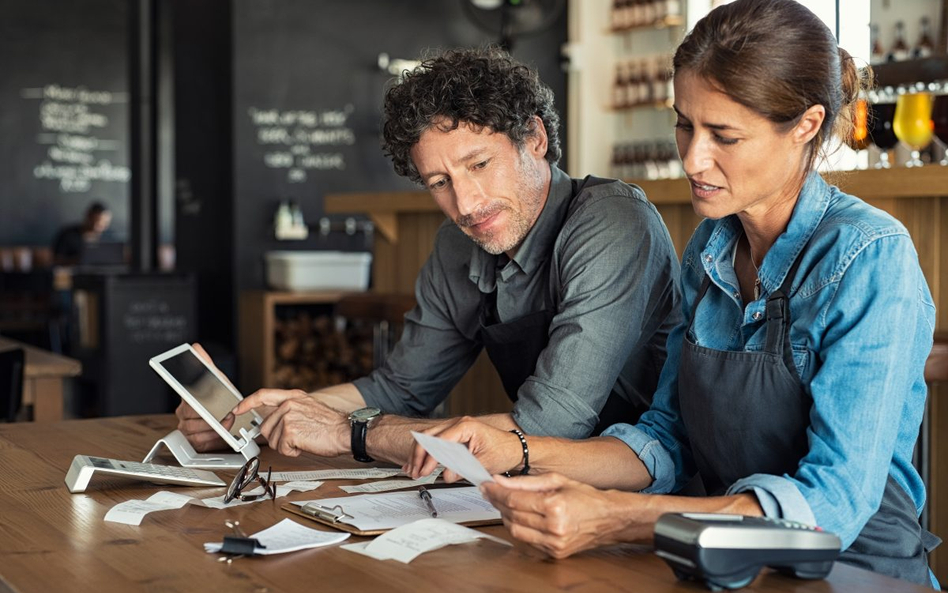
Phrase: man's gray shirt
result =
(605, 261)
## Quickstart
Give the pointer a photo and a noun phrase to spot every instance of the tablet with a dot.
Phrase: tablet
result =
(208, 392)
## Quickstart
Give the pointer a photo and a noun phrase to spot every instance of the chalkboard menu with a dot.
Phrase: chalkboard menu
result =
(63, 115)
(308, 92)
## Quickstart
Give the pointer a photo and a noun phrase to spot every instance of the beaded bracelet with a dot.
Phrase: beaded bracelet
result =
(526, 452)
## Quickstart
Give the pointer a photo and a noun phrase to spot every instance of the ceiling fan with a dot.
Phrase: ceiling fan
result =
(512, 19)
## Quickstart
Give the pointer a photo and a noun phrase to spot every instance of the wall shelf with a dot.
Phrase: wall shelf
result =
(870, 184)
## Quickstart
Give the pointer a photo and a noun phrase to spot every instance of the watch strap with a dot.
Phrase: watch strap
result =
(359, 430)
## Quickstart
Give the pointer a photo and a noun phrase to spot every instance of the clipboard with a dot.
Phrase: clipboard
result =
(334, 516)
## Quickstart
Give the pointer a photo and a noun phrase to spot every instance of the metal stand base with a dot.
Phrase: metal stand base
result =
(182, 450)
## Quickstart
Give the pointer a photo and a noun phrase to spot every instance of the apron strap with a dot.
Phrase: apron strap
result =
(777, 318)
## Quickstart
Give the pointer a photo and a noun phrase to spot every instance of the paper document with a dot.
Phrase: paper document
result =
(371, 512)
(368, 473)
(287, 536)
(410, 541)
(389, 485)
(455, 457)
(131, 512)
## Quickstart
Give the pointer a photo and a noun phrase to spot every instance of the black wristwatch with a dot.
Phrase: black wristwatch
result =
(360, 420)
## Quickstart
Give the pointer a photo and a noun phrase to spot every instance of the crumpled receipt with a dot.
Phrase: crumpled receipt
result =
(409, 541)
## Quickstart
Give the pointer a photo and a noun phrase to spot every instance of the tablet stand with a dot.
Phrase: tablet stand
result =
(188, 457)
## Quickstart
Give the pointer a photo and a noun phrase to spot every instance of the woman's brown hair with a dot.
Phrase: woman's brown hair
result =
(778, 59)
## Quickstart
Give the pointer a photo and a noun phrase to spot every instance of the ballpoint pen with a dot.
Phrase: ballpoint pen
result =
(426, 496)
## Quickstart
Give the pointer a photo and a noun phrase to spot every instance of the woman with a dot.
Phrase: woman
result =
(794, 388)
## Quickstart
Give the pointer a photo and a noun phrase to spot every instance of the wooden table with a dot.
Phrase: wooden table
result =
(51, 540)
(43, 376)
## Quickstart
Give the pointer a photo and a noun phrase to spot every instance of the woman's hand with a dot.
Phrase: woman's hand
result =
(561, 516)
(496, 449)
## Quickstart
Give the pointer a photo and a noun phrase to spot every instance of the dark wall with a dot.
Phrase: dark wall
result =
(63, 115)
(307, 100)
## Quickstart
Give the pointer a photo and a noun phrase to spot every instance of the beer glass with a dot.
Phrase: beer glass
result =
(913, 123)
(880, 131)
(940, 119)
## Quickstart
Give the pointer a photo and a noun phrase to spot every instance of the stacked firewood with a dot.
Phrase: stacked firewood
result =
(318, 350)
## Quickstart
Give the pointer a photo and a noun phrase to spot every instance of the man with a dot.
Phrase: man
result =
(570, 285)
(69, 241)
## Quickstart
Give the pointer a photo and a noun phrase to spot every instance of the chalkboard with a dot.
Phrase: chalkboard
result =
(63, 115)
(307, 103)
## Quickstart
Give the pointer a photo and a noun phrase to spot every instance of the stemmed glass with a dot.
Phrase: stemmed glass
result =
(940, 119)
(913, 123)
(881, 114)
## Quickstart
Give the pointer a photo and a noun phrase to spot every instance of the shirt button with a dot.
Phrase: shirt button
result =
(737, 295)
(708, 258)
(757, 316)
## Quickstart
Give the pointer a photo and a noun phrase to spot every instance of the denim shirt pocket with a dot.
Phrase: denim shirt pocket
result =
(801, 360)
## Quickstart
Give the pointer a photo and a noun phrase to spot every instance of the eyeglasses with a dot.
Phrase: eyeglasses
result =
(246, 476)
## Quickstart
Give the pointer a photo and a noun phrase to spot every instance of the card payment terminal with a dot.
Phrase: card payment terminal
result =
(728, 551)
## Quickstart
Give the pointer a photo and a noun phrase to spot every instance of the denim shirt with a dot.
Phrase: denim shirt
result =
(862, 320)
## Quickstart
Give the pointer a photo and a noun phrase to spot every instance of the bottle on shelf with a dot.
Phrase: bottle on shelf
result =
(878, 52)
(900, 50)
(659, 86)
(645, 83)
(620, 97)
(926, 45)
(648, 13)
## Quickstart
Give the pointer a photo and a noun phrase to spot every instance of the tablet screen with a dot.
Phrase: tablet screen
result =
(206, 388)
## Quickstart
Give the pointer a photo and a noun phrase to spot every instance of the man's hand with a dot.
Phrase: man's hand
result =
(497, 450)
(299, 422)
(561, 516)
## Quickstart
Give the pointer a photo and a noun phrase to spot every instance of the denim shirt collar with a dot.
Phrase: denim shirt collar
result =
(811, 206)
(536, 246)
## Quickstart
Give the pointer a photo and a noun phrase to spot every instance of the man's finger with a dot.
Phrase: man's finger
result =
(265, 397)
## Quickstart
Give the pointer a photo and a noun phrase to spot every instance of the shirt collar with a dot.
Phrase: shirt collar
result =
(537, 245)
(809, 210)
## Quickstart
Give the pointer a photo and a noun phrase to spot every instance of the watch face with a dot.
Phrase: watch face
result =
(364, 414)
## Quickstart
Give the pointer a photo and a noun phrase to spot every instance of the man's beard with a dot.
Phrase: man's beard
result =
(519, 222)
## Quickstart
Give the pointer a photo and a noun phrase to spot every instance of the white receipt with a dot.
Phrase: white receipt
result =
(387, 485)
(455, 457)
(410, 541)
(368, 473)
(131, 512)
(287, 536)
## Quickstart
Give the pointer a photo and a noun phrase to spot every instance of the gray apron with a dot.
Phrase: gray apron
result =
(747, 413)
(515, 346)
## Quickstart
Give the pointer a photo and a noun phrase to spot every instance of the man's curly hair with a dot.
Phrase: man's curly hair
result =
(483, 87)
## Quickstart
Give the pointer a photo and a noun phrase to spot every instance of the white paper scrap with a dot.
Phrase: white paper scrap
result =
(388, 485)
(131, 512)
(368, 473)
(455, 457)
(287, 536)
(407, 542)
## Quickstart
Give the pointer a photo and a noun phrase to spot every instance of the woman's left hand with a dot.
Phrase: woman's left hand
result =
(562, 516)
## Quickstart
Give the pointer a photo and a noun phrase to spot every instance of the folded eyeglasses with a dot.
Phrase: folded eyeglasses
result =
(247, 475)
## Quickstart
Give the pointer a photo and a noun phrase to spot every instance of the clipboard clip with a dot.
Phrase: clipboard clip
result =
(331, 514)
